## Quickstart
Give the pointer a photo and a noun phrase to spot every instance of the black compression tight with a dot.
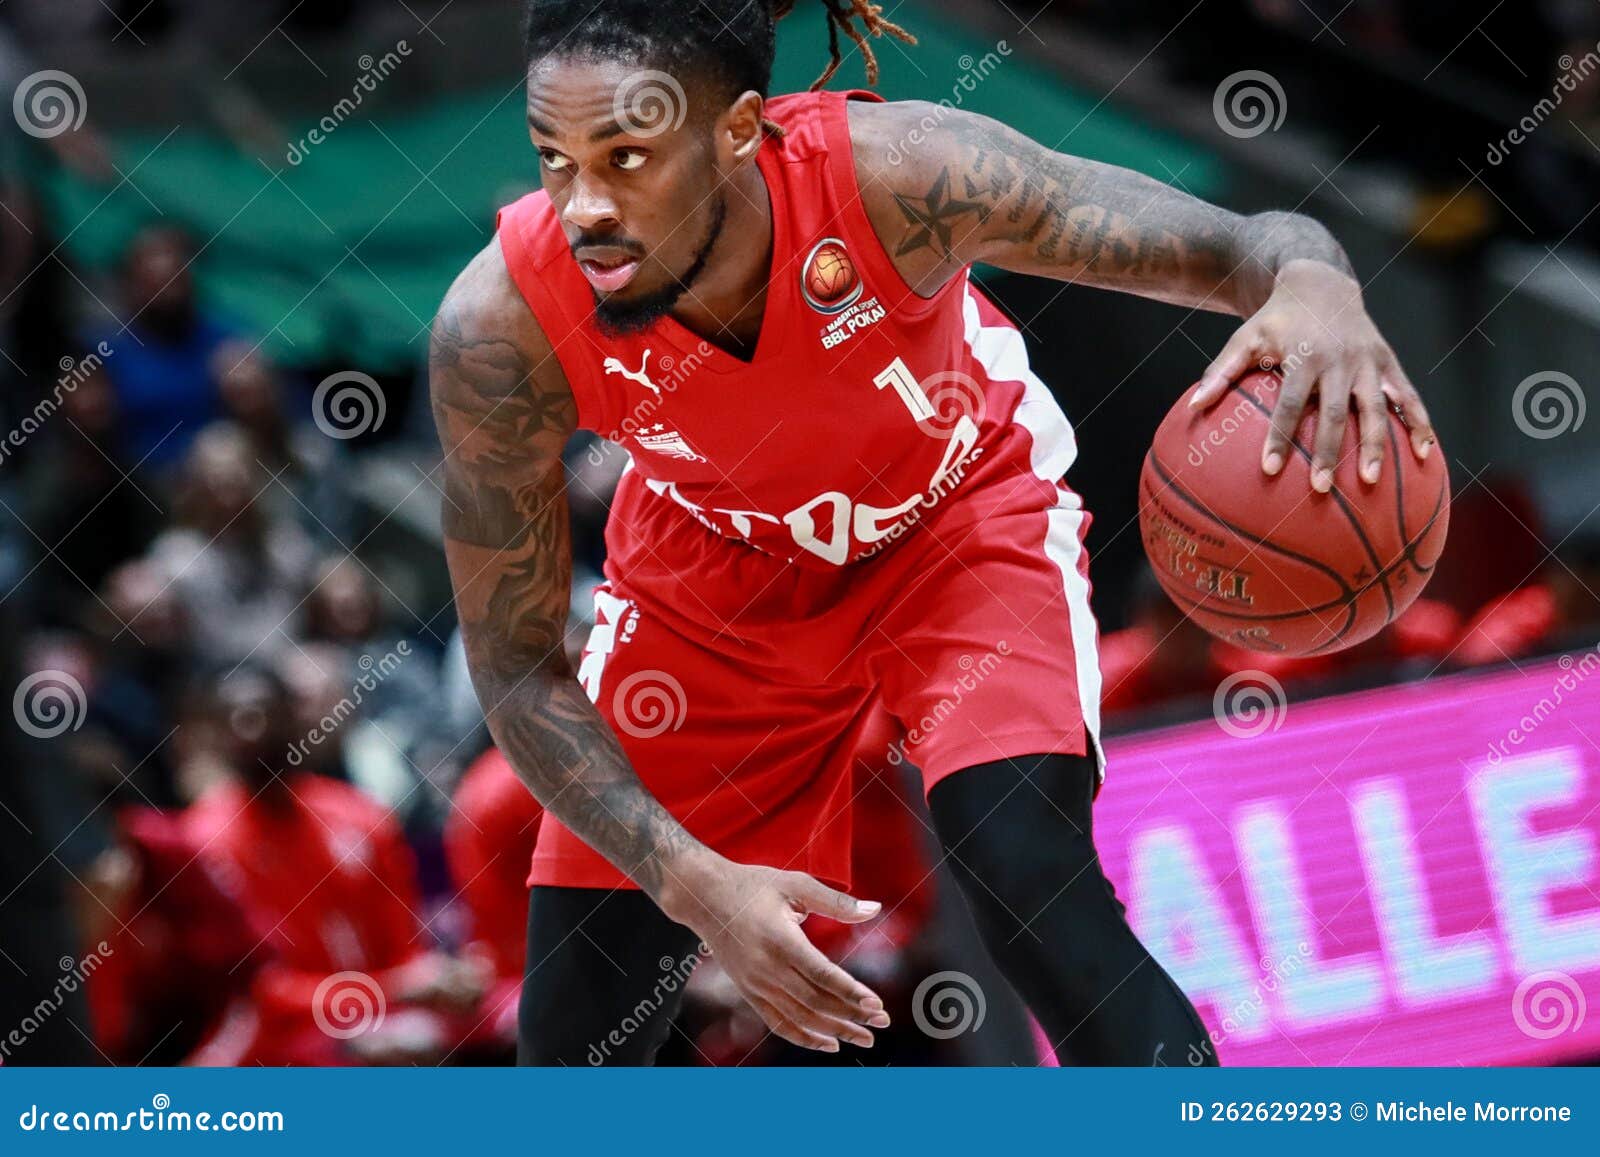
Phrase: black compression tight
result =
(604, 978)
(1016, 834)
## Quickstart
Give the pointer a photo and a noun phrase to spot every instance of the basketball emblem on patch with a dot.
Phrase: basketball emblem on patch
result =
(828, 279)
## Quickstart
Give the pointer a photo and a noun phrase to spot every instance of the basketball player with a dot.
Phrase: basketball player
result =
(845, 485)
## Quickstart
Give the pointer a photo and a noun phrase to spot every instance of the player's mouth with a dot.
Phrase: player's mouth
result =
(608, 270)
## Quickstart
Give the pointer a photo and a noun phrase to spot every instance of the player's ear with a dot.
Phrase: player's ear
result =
(739, 130)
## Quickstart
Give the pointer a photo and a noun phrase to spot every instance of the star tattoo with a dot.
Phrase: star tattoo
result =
(932, 218)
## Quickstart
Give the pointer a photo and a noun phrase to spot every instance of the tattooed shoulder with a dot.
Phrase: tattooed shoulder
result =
(488, 356)
(501, 404)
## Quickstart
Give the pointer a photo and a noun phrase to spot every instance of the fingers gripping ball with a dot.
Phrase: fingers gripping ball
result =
(1267, 563)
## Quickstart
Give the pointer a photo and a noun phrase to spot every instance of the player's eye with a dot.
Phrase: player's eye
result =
(553, 160)
(628, 159)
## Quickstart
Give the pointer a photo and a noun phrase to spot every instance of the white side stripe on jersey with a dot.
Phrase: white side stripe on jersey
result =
(1004, 357)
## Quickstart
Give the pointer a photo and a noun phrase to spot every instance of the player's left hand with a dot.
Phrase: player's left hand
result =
(1316, 332)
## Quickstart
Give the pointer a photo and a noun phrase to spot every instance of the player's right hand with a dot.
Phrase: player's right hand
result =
(750, 918)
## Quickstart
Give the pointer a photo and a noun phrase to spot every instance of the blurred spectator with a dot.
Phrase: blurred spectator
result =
(163, 368)
(1560, 608)
(43, 841)
(254, 402)
(326, 879)
(459, 725)
(242, 573)
(89, 516)
(315, 676)
(342, 608)
(351, 665)
(182, 952)
(311, 482)
(139, 635)
(489, 840)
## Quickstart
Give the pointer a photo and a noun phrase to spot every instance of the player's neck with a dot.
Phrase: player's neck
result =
(729, 297)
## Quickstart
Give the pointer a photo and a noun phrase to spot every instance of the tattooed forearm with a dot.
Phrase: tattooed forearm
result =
(504, 413)
(975, 190)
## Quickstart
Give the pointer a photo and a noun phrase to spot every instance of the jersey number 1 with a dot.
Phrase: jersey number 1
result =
(899, 375)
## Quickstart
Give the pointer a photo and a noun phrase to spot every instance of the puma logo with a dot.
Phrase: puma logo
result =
(640, 375)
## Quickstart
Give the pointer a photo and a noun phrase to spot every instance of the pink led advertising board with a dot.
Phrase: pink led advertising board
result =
(1406, 876)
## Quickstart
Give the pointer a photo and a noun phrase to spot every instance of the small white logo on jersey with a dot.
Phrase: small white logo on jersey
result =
(668, 442)
(640, 375)
(852, 320)
(615, 621)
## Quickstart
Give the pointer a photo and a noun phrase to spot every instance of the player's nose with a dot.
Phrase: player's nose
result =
(588, 205)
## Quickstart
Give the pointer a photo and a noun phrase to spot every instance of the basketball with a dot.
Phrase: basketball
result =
(831, 275)
(1267, 563)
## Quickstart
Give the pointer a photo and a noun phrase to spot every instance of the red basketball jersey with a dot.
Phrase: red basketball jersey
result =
(864, 406)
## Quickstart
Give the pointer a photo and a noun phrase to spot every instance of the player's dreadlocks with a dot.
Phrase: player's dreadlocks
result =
(729, 41)
(843, 16)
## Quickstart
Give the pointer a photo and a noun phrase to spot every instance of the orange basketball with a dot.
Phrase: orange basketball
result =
(831, 274)
(1264, 561)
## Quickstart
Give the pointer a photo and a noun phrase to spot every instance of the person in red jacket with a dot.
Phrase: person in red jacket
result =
(488, 843)
(179, 954)
(324, 875)
(1558, 608)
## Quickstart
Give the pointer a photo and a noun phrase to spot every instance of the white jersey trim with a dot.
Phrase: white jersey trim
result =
(1004, 357)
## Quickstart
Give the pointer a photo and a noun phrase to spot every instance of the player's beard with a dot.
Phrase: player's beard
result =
(618, 316)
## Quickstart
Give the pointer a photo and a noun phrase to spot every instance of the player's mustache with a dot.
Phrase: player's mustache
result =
(619, 246)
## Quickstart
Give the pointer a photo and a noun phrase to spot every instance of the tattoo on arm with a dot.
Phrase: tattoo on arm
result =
(504, 413)
(976, 190)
